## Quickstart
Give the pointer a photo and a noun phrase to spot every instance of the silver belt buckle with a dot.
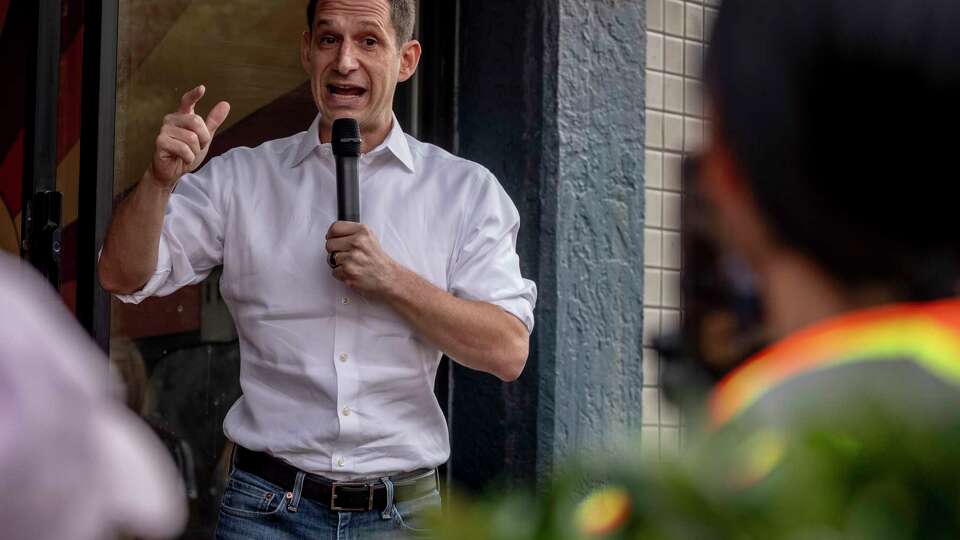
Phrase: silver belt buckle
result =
(333, 497)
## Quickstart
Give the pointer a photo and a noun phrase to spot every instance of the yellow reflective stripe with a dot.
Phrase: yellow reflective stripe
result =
(923, 339)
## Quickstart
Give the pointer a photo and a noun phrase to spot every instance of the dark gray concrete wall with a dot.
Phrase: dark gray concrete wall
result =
(597, 255)
(550, 98)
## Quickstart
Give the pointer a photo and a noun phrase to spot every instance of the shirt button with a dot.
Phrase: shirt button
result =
(345, 300)
(340, 462)
(346, 411)
(344, 357)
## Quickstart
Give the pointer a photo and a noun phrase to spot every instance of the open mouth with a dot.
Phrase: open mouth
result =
(346, 90)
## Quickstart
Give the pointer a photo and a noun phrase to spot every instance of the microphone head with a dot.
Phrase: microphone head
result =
(346, 137)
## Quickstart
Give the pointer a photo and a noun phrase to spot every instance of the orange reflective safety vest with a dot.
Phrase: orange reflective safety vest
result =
(926, 333)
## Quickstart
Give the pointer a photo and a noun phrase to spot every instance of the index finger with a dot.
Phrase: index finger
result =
(343, 228)
(190, 99)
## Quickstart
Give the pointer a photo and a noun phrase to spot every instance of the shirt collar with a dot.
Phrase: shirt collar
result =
(396, 143)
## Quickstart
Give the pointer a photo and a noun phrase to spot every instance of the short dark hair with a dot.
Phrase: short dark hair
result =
(831, 110)
(403, 16)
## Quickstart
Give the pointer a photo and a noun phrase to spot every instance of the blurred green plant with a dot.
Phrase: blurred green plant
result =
(880, 473)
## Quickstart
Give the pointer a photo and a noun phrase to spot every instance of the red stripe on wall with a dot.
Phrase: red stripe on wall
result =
(71, 80)
(4, 4)
(11, 176)
(12, 98)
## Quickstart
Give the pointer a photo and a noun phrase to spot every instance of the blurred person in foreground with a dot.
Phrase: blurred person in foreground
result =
(829, 176)
(75, 463)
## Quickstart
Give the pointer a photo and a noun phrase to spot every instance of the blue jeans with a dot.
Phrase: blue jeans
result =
(253, 508)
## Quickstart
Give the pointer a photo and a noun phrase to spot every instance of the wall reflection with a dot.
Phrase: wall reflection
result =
(181, 350)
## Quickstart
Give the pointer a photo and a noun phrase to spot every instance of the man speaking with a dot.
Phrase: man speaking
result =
(341, 324)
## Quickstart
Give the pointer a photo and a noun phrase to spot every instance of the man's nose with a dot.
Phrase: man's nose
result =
(346, 60)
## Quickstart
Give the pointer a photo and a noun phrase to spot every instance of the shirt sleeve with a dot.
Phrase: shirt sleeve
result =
(486, 267)
(191, 241)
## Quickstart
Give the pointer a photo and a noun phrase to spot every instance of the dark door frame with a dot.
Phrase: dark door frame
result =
(41, 204)
(43, 89)
(97, 146)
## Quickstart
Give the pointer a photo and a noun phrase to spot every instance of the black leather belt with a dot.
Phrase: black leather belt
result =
(338, 496)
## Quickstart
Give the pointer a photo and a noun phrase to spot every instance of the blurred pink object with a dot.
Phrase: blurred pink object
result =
(74, 462)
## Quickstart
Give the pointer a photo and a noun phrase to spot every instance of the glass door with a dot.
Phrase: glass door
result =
(180, 352)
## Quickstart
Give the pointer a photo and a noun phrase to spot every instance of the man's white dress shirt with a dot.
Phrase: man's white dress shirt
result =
(334, 383)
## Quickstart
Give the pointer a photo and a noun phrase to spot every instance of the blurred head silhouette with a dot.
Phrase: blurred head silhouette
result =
(831, 162)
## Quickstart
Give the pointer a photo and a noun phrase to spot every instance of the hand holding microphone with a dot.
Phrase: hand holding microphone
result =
(346, 144)
(356, 257)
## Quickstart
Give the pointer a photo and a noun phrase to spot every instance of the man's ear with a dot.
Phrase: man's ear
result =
(720, 174)
(409, 59)
(305, 49)
(741, 225)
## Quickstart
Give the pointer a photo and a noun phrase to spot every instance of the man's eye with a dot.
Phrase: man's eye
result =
(327, 40)
(370, 42)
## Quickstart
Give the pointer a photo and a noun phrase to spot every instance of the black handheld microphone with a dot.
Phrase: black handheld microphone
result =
(346, 148)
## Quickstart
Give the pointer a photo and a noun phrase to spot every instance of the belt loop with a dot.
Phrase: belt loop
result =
(388, 509)
(293, 498)
(233, 457)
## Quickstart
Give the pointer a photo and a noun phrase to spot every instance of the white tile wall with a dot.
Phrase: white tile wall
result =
(673, 55)
(652, 291)
(676, 35)
(654, 52)
(672, 132)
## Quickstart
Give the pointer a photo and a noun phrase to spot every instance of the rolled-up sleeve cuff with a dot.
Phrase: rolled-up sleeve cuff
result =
(520, 306)
(160, 277)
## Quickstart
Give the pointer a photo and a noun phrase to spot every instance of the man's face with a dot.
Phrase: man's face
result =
(354, 62)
